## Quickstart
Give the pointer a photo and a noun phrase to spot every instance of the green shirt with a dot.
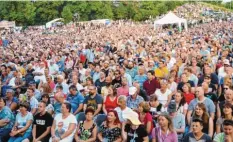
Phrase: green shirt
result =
(219, 137)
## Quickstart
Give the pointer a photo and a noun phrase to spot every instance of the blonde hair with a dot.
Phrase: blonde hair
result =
(145, 106)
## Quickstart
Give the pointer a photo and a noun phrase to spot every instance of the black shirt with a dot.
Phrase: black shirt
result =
(181, 84)
(137, 134)
(42, 122)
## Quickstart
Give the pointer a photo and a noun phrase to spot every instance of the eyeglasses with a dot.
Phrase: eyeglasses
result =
(225, 88)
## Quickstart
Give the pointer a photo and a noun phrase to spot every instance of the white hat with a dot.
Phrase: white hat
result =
(132, 90)
(132, 116)
(226, 62)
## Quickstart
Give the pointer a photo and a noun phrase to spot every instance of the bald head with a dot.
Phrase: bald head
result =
(228, 95)
(199, 92)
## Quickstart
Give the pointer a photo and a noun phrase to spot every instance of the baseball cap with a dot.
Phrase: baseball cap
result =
(32, 83)
(132, 90)
(226, 62)
(9, 91)
(171, 107)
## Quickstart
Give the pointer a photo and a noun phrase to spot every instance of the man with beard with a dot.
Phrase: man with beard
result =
(131, 70)
(93, 100)
(104, 89)
(117, 80)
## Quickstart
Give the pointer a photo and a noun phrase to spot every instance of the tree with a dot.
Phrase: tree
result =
(67, 14)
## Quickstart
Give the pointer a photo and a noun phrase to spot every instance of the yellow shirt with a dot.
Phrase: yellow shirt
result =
(161, 72)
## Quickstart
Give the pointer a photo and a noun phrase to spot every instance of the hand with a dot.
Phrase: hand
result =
(227, 138)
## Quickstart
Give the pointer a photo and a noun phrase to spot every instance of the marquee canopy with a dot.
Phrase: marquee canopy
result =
(171, 18)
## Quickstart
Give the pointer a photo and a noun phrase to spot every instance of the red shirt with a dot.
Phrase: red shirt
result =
(151, 86)
(109, 104)
(147, 118)
(188, 97)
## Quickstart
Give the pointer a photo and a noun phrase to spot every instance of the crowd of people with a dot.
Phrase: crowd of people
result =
(121, 83)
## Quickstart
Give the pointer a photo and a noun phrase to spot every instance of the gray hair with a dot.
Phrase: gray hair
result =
(121, 98)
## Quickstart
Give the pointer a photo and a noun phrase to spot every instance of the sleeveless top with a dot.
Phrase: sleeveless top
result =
(111, 134)
(109, 104)
(83, 133)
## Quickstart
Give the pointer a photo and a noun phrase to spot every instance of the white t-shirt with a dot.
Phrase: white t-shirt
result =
(163, 98)
(62, 126)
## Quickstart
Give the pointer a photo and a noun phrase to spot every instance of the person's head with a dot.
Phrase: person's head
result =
(102, 75)
(122, 71)
(186, 88)
(165, 120)
(2, 103)
(187, 70)
(143, 107)
(65, 108)
(92, 90)
(59, 88)
(112, 116)
(89, 113)
(153, 100)
(60, 79)
(133, 119)
(207, 79)
(60, 97)
(228, 127)
(121, 101)
(228, 95)
(141, 70)
(23, 107)
(74, 79)
(162, 63)
(30, 92)
(163, 84)
(199, 92)
(133, 92)
(41, 107)
(179, 98)
(205, 86)
(73, 90)
(45, 98)
(207, 70)
(227, 109)
(184, 78)
(117, 74)
(197, 125)
(108, 81)
(124, 81)
(201, 112)
(9, 93)
(150, 74)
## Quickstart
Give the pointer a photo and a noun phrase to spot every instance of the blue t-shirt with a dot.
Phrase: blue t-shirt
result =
(210, 107)
(140, 79)
(57, 107)
(75, 101)
(22, 121)
(6, 113)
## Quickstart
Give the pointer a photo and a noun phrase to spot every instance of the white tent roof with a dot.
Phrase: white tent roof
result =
(170, 18)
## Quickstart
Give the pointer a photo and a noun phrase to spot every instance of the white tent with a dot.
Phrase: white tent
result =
(171, 18)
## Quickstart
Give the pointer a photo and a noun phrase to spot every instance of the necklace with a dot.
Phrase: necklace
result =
(198, 138)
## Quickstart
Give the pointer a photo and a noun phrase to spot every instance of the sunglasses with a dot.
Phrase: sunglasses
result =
(225, 88)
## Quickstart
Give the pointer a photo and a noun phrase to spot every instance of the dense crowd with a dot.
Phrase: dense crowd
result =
(124, 82)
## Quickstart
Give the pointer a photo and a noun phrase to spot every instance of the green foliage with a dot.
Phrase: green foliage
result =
(40, 12)
(67, 14)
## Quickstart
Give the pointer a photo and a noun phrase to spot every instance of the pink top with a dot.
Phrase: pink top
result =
(123, 91)
(168, 137)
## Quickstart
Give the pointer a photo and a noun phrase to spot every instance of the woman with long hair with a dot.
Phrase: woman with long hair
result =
(201, 113)
(165, 131)
(87, 130)
(110, 130)
(181, 104)
(187, 93)
(145, 117)
(110, 101)
(227, 115)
